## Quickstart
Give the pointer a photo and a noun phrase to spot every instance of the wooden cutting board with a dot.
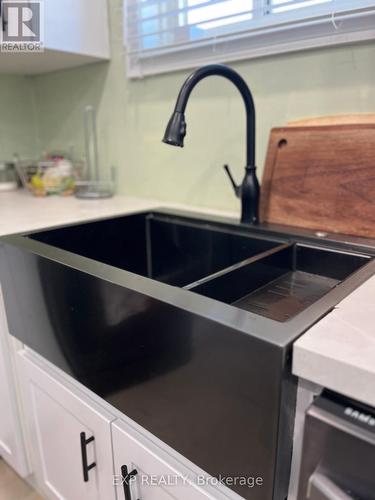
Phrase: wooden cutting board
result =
(321, 178)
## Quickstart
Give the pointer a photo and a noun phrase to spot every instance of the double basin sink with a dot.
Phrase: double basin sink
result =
(185, 324)
(255, 273)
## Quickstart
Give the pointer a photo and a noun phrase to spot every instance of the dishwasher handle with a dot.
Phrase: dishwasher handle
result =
(322, 488)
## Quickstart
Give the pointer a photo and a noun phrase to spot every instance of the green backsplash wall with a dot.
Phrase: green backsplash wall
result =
(18, 127)
(132, 115)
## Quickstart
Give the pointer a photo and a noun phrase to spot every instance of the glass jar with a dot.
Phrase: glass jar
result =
(8, 176)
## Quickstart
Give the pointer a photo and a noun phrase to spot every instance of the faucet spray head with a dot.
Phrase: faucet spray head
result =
(176, 130)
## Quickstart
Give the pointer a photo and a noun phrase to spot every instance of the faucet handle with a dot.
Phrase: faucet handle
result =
(236, 188)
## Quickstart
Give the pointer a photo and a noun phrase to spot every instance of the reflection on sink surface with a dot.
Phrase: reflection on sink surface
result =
(167, 249)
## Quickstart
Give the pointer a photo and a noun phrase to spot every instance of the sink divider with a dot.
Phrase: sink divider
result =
(253, 272)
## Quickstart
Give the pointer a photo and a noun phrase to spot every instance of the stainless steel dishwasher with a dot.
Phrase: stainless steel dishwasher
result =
(338, 459)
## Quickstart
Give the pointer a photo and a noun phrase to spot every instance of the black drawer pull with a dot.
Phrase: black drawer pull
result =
(126, 478)
(86, 468)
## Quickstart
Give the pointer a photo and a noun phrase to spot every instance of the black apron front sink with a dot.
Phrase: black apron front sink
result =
(185, 324)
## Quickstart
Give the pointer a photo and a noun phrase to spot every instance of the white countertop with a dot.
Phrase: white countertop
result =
(20, 211)
(337, 353)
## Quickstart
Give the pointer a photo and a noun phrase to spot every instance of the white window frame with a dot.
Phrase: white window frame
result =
(289, 34)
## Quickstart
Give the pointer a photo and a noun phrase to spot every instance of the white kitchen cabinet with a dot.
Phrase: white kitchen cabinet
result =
(58, 418)
(158, 476)
(76, 33)
(12, 447)
(59, 410)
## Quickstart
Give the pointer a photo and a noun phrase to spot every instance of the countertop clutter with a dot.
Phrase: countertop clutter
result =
(336, 353)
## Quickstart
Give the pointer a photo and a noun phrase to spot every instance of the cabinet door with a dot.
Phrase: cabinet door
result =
(72, 453)
(77, 27)
(153, 475)
(12, 447)
(76, 32)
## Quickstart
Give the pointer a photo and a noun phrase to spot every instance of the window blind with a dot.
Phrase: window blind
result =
(167, 35)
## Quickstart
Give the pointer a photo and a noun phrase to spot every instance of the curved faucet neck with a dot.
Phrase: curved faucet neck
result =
(239, 82)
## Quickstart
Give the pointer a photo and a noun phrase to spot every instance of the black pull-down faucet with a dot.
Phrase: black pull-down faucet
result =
(175, 132)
